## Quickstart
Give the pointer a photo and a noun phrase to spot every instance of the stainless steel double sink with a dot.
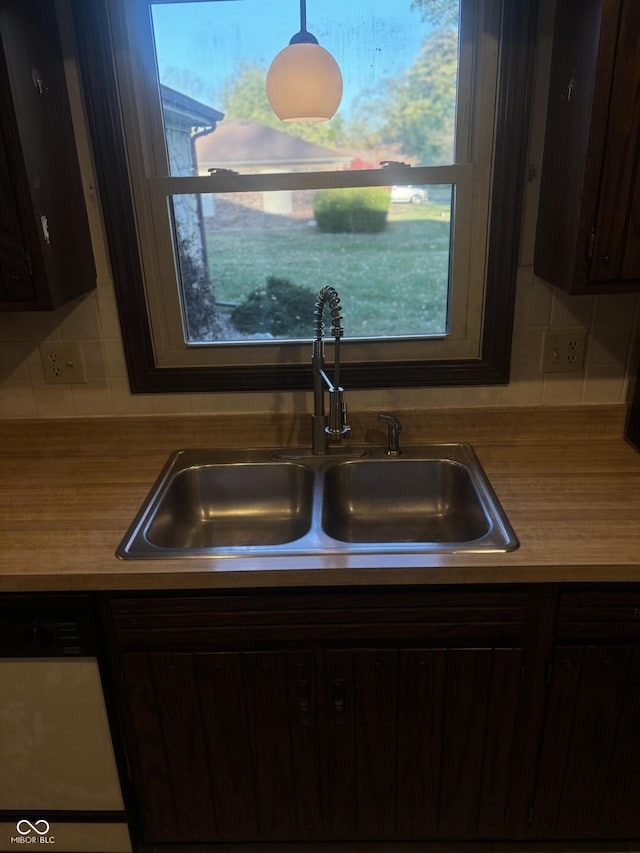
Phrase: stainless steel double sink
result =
(265, 502)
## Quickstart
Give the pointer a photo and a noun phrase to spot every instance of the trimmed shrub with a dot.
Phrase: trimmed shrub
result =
(281, 309)
(354, 210)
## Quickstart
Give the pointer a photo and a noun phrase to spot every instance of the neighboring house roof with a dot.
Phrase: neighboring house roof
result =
(239, 143)
(185, 113)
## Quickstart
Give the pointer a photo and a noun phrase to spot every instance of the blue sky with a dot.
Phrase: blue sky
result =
(370, 39)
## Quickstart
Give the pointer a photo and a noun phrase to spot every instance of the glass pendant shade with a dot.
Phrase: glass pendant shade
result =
(304, 82)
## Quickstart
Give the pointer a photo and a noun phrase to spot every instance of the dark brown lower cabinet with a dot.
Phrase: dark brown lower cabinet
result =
(366, 743)
(441, 714)
(589, 778)
(402, 728)
(589, 772)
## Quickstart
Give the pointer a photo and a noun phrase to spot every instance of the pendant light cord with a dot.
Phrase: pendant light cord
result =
(304, 36)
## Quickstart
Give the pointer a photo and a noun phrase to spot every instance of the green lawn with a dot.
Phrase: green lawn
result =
(391, 283)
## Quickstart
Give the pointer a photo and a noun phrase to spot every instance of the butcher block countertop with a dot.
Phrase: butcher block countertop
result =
(566, 478)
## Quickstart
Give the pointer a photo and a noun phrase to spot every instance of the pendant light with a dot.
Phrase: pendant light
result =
(304, 82)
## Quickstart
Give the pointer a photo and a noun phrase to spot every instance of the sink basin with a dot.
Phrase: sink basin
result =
(403, 500)
(204, 505)
(277, 503)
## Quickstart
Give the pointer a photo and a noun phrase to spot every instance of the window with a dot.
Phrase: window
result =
(216, 271)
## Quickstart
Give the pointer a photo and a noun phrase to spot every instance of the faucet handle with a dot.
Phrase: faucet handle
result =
(395, 428)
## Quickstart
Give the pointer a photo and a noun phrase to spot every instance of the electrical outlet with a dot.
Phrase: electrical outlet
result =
(62, 363)
(563, 350)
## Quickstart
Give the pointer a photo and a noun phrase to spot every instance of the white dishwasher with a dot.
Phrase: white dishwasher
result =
(59, 783)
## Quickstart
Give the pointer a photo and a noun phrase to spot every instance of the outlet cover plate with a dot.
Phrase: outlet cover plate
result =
(62, 363)
(563, 350)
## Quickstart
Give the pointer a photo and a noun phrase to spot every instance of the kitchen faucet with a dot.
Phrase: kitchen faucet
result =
(333, 428)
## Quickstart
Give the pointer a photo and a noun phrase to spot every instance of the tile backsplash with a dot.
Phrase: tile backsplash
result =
(612, 323)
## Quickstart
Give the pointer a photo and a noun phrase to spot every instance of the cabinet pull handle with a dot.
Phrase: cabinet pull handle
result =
(338, 700)
(304, 701)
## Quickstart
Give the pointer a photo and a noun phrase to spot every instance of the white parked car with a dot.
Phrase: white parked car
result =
(409, 194)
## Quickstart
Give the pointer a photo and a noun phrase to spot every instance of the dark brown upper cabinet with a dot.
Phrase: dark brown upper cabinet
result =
(46, 257)
(588, 235)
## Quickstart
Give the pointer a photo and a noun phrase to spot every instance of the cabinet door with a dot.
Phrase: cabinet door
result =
(616, 253)
(589, 774)
(42, 206)
(16, 280)
(169, 755)
(588, 230)
(224, 744)
(456, 727)
(419, 742)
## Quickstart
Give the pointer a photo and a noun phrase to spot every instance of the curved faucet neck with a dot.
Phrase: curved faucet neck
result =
(328, 295)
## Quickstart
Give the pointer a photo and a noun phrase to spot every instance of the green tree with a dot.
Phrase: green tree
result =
(244, 95)
(439, 13)
(416, 112)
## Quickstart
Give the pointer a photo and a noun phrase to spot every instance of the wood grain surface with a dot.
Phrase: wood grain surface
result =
(566, 478)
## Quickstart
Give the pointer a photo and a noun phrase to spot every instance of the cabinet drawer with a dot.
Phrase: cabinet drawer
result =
(182, 621)
(592, 614)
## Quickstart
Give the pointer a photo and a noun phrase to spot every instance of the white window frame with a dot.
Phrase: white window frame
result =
(152, 186)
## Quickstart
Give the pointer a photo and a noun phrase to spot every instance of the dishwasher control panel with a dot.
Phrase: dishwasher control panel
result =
(46, 626)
